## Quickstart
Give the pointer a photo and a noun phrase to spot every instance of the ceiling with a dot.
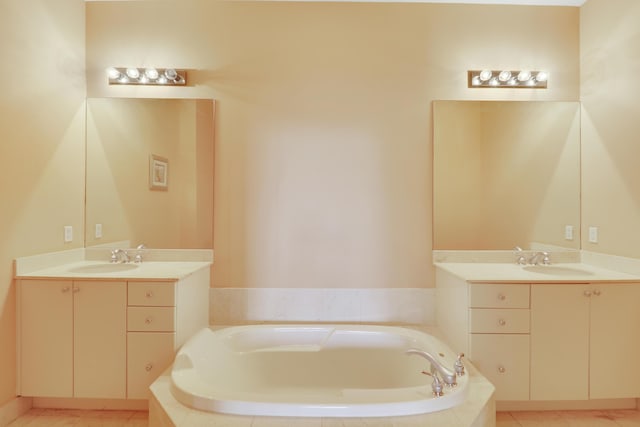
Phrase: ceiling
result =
(516, 2)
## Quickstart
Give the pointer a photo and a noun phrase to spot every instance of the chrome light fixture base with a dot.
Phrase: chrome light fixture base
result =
(147, 76)
(507, 79)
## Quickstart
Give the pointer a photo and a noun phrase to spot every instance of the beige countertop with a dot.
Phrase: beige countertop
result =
(487, 272)
(101, 270)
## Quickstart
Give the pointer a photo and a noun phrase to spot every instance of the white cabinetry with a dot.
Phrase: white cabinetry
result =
(499, 337)
(490, 324)
(584, 341)
(72, 338)
(104, 339)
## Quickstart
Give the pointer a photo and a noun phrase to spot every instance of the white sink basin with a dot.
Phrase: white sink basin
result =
(103, 267)
(557, 270)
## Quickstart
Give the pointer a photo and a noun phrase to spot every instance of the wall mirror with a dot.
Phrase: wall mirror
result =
(149, 172)
(506, 174)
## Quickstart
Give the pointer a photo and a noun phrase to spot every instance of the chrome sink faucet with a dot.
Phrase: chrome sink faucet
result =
(536, 258)
(448, 376)
(541, 257)
(119, 255)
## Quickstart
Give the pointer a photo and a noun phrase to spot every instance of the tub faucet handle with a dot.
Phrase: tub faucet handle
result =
(458, 366)
(436, 385)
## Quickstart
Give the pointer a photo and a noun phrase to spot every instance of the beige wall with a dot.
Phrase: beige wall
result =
(323, 135)
(41, 144)
(609, 52)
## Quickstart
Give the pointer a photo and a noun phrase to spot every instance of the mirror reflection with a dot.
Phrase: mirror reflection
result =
(149, 176)
(506, 174)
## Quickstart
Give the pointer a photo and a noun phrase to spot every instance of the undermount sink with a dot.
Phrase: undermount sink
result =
(103, 267)
(558, 270)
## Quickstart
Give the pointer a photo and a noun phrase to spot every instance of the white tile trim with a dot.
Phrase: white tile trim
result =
(229, 306)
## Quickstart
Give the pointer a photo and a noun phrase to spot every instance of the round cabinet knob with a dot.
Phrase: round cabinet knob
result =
(596, 292)
(149, 294)
(502, 297)
(148, 367)
(148, 320)
(587, 293)
(66, 289)
(76, 290)
(502, 322)
(502, 369)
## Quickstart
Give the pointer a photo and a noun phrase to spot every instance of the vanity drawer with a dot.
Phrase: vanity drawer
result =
(498, 296)
(151, 319)
(152, 294)
(498, 321)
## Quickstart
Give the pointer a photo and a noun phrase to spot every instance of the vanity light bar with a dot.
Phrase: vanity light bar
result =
(507, 79)
(147, 76)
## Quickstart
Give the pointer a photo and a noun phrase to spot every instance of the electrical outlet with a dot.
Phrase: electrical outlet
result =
(593, 234)
(98, 233)
(68, 233)
(568, 232)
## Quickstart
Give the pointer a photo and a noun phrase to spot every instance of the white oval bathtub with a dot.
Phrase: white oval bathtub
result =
(311, 371)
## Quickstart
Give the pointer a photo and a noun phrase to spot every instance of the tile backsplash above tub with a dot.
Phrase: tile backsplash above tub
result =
(232, 306)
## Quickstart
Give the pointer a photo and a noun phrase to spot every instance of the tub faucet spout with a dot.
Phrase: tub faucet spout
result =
(448, 376)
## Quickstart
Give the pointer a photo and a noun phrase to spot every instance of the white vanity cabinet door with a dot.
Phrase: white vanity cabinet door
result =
(46, 338)
(614, 371)
(560, 342)
(100, 341)
(72, 338)
(148, 355)
(504, 360)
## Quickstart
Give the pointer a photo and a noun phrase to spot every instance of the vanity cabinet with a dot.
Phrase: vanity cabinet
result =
(499, 336)
(72, 338)
(584, 341)
(104, 339)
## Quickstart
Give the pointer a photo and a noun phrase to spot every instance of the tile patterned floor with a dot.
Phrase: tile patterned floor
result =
(613, 418)
(81, 418)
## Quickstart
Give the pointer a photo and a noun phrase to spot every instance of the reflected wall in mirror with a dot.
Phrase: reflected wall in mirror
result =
(122, 135)
(505, 174)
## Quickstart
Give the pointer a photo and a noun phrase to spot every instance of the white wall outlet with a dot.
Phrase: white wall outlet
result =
(593, 234)
(568, 232)
(98, 233)
(68, 233)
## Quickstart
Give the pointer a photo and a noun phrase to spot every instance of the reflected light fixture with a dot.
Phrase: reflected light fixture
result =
(146, 76)
(507, 78)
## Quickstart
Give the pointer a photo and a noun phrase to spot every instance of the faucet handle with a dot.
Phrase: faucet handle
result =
(114, 255)
(458, 366)
(519, 253)
(546, 260)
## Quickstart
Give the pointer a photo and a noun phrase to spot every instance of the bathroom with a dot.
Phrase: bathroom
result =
(323, 169)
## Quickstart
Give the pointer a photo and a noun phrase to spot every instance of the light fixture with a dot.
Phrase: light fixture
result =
(146, 76)
(507, 78)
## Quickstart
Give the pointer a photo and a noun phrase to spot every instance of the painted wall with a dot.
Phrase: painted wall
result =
(323, 133)
(609, 52)
(41, 144)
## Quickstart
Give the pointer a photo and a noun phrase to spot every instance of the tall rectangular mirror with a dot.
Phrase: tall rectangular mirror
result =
(506, 173)
(124, 200)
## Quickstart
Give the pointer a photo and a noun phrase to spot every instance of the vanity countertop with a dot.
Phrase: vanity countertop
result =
(487, 272)
(99, 270)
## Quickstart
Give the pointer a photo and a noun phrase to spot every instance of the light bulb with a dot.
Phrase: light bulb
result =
(504, 76)
(151, 73)
(476, 81)
(542, 76)
(162, 80)
(113, 73)
(170, 74)
(494, 82)
(485, 75)
(133, 73)
(523, 76)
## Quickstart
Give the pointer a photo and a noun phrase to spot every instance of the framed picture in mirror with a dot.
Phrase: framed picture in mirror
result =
(158, 173)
